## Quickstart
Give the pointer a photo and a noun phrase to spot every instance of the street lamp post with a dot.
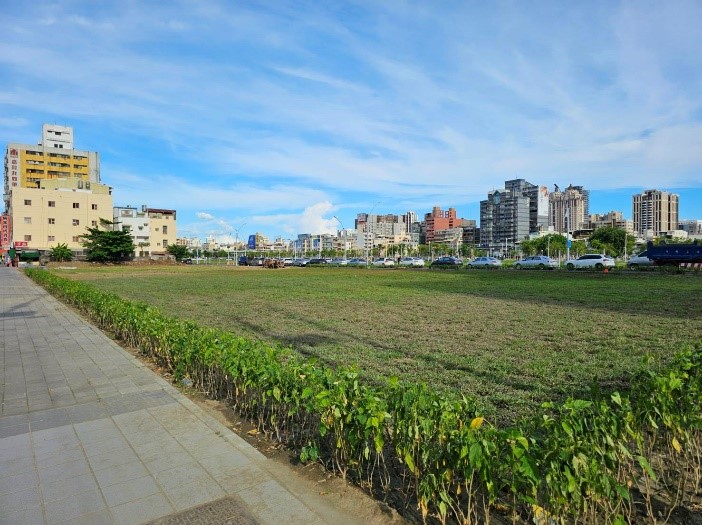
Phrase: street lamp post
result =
(236, 244)
(343, 231)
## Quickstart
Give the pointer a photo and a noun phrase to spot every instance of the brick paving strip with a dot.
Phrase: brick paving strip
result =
(88, 434)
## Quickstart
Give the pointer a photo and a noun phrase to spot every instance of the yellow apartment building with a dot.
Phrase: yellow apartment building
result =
(57, 212)
(53, 158)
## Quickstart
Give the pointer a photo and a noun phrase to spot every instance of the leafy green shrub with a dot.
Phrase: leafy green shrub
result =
(583, 461)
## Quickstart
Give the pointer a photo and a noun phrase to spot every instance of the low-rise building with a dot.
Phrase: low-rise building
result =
(152, 229)
(58, 212)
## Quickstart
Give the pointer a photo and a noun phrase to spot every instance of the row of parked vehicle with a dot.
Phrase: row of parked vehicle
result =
(592, 260)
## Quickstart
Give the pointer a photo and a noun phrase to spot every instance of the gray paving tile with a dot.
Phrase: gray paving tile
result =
(18, 482)
(168, 461)
(59, 457)
(65, 488)
(132, 490)
(112, 458)
(101, 517)
(61, 471)
(75, 506)
(121, 473)
(22, 499)
(141, 511)
(241, 478)
(182, 475)
(115, 442)
(31, 515)
(16, 445)
(16, 465)
(192, 494)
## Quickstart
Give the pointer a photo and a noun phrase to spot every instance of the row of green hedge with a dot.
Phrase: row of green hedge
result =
(604, 460)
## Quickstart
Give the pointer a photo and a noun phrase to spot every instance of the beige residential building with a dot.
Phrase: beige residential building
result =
(655, 212)
(57, 212)
(53, 191)
(162, 225)
(152, 229)
(613, 218)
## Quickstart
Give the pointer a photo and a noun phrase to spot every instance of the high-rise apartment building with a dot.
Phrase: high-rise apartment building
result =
(567, 209)
(439, 219)
(53, 191)
(510, 215)
(655, 212)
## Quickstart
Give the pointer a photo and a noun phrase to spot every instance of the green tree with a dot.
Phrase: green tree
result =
(179, 252)
(611, 240)
(61, 252)
(105, 244)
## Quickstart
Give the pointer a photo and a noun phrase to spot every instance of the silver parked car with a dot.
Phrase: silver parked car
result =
(384, 262)
(595, 261)
(485, 262)
(414, 262)
(536, 261)
(639, 261)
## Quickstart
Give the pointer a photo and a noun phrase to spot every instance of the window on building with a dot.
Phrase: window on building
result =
(93, 223)
(165, 230)
(76, 222)
(76, 238)
(28, 220)
(93, 206)
(165, 243)
(51, 238)
(76, 205)
(27, 238)
(52, 220)
(52, 204)
(27, 202)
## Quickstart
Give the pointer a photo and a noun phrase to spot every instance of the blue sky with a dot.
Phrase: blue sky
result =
(278, 116)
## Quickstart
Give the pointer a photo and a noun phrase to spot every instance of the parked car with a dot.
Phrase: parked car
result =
(187, 261)
(300, 261)
(485, 262)
(640, 260)
(446, 262)
(317, 261)
(414, 262)
(590, 260)
(357, 261)
(536, 261)
(288, 261)
(340, 261)
(384, 262)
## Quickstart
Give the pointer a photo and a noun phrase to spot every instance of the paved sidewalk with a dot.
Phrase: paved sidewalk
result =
(88, 434)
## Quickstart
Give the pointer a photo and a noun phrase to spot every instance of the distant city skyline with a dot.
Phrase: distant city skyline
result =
(278, 118)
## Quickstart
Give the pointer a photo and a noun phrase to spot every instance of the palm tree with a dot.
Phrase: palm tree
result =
(61, 252)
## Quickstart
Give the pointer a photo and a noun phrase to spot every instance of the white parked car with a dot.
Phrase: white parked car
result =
(485, 262)
(639, 261)
(536, 261)
(415, 262)
(384, 262)
(595, 261)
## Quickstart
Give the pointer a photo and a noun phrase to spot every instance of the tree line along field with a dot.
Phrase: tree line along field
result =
(512, 340)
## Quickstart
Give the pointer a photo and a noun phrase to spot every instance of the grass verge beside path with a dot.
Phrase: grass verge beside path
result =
(511, 339)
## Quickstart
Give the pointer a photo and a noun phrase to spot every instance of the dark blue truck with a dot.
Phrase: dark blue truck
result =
(678, 255)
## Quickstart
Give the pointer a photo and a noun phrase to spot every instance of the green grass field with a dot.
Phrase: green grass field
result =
(511, 339)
